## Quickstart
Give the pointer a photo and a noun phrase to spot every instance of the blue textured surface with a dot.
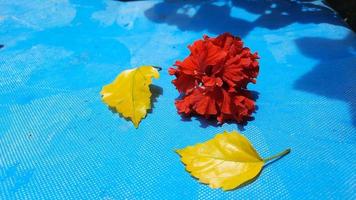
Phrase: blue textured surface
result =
(59, 141)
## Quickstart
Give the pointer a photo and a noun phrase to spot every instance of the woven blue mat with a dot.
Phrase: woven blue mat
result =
(59, 141)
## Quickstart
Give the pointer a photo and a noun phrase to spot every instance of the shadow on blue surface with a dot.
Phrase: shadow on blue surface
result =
(215, 17)
(327, 80)
(91, 49)
(156, 92)
(58, 141)
(19, 178)
(332, 78)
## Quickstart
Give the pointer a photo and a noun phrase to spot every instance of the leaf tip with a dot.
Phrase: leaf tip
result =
(135, 123)
(178, 151)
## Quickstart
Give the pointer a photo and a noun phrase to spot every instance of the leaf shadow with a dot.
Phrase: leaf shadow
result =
(238, 187)
(156, 91)
(206, 122)
(2, 46)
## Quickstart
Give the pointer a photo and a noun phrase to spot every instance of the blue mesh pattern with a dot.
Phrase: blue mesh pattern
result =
(59, 141)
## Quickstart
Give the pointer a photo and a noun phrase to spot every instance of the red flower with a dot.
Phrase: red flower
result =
(214, 77)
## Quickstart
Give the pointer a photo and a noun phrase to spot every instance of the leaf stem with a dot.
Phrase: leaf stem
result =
(158, 68)
(283, 153)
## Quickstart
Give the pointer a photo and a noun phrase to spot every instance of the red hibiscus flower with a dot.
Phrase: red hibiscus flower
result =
(214, 77)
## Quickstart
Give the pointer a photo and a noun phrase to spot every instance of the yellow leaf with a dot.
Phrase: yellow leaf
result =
(226, 161)
(130, 94)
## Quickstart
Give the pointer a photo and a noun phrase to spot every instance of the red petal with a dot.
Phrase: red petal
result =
(198, 101)
(172, 71)
(206, 53)
(188, 66)
(184, 83)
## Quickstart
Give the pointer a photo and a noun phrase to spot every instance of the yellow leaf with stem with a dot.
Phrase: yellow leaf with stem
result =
(130, 94)
(226, 161)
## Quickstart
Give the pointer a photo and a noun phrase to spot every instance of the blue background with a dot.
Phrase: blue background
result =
(59, 141)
